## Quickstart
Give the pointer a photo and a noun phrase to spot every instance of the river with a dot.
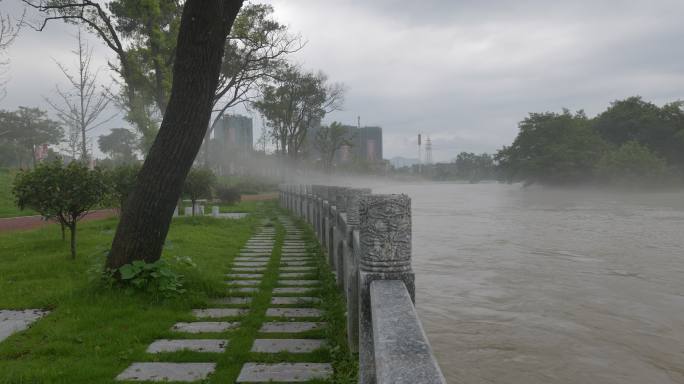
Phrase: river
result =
(535, 285)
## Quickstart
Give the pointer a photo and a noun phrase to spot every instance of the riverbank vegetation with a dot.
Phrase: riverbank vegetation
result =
(632, 143)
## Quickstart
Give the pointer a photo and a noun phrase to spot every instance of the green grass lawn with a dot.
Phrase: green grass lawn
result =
(7, 206)
(93, 332)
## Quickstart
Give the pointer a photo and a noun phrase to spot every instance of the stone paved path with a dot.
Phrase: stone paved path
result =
(289, 318)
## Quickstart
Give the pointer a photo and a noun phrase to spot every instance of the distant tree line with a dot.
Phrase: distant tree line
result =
(633, 142)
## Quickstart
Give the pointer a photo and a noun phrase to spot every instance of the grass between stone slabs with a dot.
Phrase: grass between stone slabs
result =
(93, 333)
(332, 303)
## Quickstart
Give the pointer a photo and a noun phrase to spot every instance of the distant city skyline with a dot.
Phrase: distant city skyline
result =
(463, 72)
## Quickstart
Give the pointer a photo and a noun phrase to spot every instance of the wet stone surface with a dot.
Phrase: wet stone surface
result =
(218, 312)
(294, 300)
(284, 372)
(185, 372)
(205, 326)
(293, 312)
(12, 321)
(286, 345)
(195, 345)
(290, 326)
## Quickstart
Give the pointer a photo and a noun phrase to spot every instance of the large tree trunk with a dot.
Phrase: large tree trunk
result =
(145, 220)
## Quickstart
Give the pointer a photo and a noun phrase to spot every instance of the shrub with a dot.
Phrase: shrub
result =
(121, 180)
(63, 193)
(227, 195)
(632, 164)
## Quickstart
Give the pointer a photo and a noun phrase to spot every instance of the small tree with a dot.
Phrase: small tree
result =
(63, 193)
(198, 184)
(329, 140)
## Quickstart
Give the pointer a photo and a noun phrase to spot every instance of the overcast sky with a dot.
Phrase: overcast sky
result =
(462, 72)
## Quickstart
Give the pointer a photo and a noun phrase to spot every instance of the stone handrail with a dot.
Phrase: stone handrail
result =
(367, 239)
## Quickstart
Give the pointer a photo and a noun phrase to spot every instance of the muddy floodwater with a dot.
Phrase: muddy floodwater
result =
(550, 286)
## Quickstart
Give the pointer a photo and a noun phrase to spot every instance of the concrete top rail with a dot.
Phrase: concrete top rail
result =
(402, 351)
(367, 238)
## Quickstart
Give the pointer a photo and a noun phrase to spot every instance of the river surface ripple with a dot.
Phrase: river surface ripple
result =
(546, 286)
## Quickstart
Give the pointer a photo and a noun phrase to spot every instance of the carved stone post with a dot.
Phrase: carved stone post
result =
(340, 234)
(314, 203)
(287, 197)
(385, 254)
(308, 204)
(324, 224)
(300, 200)
(351, 265)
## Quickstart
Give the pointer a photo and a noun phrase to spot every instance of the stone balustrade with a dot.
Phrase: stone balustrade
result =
(367, 238)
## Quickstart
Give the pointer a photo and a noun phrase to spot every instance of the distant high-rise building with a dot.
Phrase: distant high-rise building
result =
(231, 145)
(234, 132)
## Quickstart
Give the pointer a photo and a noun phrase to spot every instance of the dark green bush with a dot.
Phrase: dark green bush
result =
(228, 195)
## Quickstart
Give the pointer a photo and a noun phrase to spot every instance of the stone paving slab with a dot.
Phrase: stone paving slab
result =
(232, 301)
(205, 326)
(218, 312)
(286, 345)
(245, 275)
(290, 326)
(12, 321)
(195, 345)
(298, 269)
(294, 263)
(243, 289)
(254, 254)
(284, 372)
(291, 259)
(293, 290)
(293, 312)
(298, 282)
(252, 258)
(248, 269)
(293, 300)
(296, 254)
(294, 275)
(186, 372)
(257, 249)
(244, 283)
(250, 263)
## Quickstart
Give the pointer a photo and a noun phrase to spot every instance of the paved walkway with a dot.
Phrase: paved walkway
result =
(31, 222)
(292, 321)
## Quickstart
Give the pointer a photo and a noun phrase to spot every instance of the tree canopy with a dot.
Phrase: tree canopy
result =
(293, 103)
(631, 137)
(23, 133)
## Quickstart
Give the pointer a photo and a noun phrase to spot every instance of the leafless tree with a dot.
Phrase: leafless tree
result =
(82, 105)
(8, 32)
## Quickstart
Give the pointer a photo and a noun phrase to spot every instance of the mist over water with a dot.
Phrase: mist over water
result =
(543, 285)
